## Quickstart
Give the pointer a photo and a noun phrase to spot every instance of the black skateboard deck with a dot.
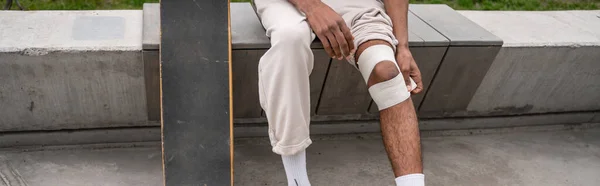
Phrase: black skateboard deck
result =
(196, 123)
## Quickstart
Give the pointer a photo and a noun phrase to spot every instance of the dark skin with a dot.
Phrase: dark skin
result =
(404, 151)
(399, 124)
(338, 42)
(329, 27)
(398, 12)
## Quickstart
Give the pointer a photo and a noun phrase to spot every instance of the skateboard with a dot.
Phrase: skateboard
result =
(196, 104)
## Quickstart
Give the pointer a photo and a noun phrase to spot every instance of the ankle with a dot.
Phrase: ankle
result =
(417, 179)
(295, 169)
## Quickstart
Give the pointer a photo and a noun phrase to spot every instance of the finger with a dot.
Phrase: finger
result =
(416, 75)
(348, 36)
(419, 88)
(405, 70)
(326, 45)
(345, 51)
(334, 46)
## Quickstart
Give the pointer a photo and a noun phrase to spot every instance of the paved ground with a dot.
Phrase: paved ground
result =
(515, 158)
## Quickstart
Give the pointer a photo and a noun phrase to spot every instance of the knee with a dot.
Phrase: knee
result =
(293, 35)
(379, 69)
(383, 71)
(385, 87)
(290, 50)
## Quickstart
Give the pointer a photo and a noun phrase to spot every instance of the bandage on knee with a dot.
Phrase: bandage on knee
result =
(387, 93)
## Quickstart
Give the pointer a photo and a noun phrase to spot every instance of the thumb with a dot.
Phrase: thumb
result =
(405, 70)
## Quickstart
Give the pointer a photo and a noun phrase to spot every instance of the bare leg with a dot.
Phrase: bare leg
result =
(399, 125)
(400, 131)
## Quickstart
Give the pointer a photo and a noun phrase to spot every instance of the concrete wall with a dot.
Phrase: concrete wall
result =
(84, 70)
(550, 63)
(71, 70)
(469, 56)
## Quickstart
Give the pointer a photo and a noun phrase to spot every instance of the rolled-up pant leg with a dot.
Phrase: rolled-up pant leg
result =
(366, 19)
(284, 75)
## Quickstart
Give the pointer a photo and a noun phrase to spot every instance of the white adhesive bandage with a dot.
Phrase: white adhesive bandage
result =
(388, 93)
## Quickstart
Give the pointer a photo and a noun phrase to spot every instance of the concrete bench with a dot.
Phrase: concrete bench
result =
(109, 68)
(98, 71)
(436, 34)
(472, 50)
(71, 70)
(549, 63)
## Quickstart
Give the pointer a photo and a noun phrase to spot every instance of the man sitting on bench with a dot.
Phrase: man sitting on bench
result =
(372, 36)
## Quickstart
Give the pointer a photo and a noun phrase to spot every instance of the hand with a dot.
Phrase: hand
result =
(331, 29)
(409, 69)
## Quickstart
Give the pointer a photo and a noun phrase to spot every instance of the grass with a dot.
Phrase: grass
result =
(80, 4)
(516, 4)
(456, 4)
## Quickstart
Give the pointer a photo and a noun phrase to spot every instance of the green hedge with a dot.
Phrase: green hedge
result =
(456, 4)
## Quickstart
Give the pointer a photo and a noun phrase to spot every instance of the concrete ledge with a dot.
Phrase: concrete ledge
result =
(541, 28)
(248, 33)
(86, 70)
(71, 90)
(436, 127)
(459, 30)
(71, 70)
(249, 42)
(539, 80)
(246, 30)
(39, 32)
(548, 64)
(507, 121)
(80, 137)
(470, 54)
(151, 26)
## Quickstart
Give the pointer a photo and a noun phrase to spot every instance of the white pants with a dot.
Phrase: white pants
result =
(284, 69)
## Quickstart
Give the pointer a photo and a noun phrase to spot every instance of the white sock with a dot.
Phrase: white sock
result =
(411, 180)
(295, 169)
